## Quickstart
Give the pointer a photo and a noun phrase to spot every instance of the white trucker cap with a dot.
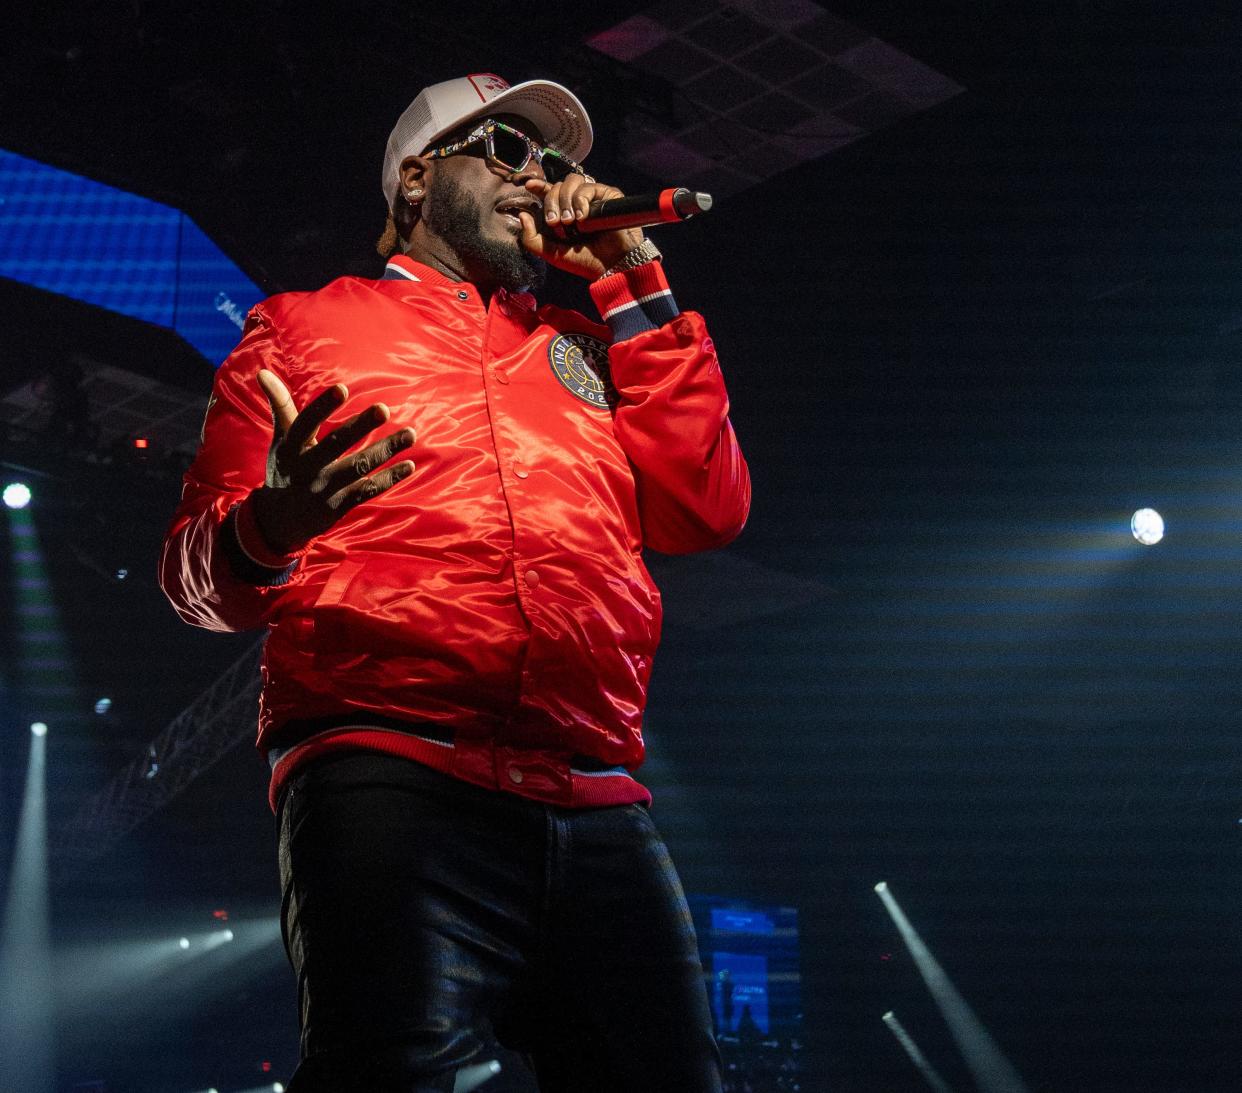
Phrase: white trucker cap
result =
(554, 110)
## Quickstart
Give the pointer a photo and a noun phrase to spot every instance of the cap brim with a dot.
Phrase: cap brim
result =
(554, 110)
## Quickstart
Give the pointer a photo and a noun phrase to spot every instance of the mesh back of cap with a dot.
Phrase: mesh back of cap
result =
(415, 121)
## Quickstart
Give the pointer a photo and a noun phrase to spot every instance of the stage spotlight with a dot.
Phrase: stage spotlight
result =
(103, 706)
(217, 938)
(17, 495)
(471, 1077)
(184, 943)
(916, 1055)
(121, 574)
(277, 1087)
(993, 1073)
(26, 976)
(1147, 526)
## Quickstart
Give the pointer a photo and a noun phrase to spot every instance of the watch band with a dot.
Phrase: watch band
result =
(645, 252)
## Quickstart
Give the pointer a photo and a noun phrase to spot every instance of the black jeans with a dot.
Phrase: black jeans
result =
(429, 920)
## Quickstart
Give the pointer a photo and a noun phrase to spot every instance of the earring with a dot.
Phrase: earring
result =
(410, 195)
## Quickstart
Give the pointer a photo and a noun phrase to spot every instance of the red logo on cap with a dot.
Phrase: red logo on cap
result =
(488, 84)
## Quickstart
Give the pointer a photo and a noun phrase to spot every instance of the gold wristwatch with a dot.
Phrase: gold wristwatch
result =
(645, 252)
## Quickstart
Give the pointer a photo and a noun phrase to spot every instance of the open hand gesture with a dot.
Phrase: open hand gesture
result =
(311, 482)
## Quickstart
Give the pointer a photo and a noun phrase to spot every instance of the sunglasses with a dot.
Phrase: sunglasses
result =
(512, 151)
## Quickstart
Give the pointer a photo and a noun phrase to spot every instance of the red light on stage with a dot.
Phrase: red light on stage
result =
(266, 1066)
(221, 915)
(141, 442)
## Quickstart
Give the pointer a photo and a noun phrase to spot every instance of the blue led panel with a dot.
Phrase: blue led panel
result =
(70, 235)
(213, 295)
(754, 987)
(743, 921)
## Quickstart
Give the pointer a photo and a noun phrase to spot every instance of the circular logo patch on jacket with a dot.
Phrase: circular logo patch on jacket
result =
(580, 362)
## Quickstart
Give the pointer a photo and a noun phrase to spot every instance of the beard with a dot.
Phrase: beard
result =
(454, 216)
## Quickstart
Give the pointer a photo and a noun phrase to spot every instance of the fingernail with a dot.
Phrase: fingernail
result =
(550, 215)
(568, 214)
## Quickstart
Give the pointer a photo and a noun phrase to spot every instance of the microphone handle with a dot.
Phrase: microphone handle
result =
(642, 211)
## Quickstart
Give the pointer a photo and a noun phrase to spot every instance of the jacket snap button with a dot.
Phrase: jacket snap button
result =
(520, 470)
(515, 776)
(463, 295)
(501, 375)
(532, 578)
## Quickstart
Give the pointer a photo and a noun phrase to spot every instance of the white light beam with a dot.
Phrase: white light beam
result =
(916, 1056)
(27, 1054)
(471, 1077)
(993, 1073)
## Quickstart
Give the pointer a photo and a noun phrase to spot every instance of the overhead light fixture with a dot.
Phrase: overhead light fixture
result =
(17, 495)
(1147, 526)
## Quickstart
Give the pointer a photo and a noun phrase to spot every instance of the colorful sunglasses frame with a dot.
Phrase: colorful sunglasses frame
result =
(486, 133)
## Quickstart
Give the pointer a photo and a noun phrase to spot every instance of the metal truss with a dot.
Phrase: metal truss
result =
(193, 742)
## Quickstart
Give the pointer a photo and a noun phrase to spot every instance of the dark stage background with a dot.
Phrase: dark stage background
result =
(961, 352)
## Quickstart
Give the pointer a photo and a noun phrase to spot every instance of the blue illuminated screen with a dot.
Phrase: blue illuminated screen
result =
(79, 238)
(754, 988)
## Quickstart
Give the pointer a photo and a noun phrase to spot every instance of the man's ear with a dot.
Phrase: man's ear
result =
(413, 176)
(408, 205)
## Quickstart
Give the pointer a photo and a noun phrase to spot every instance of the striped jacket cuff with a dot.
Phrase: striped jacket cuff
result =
(249, 556)
(635, 300)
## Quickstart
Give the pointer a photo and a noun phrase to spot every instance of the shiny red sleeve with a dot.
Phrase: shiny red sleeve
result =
(202, 556)
(672, 417)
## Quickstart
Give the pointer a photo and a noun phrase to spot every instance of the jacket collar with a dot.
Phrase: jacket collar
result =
(401, 267)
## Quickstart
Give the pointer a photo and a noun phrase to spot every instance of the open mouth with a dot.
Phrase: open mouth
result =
(511, 206)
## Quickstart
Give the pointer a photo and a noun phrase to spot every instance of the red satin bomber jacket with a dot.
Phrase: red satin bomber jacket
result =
(491, 615)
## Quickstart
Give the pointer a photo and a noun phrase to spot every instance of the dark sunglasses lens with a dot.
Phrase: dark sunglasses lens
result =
(556, 168)
(510, 150)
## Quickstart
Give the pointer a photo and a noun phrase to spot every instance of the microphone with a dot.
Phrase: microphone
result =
(669, 206)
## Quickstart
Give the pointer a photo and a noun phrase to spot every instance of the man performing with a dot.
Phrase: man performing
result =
(459, 642)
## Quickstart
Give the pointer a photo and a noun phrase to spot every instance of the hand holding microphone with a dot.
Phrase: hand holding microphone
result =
(589, 226)
(670, 206)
